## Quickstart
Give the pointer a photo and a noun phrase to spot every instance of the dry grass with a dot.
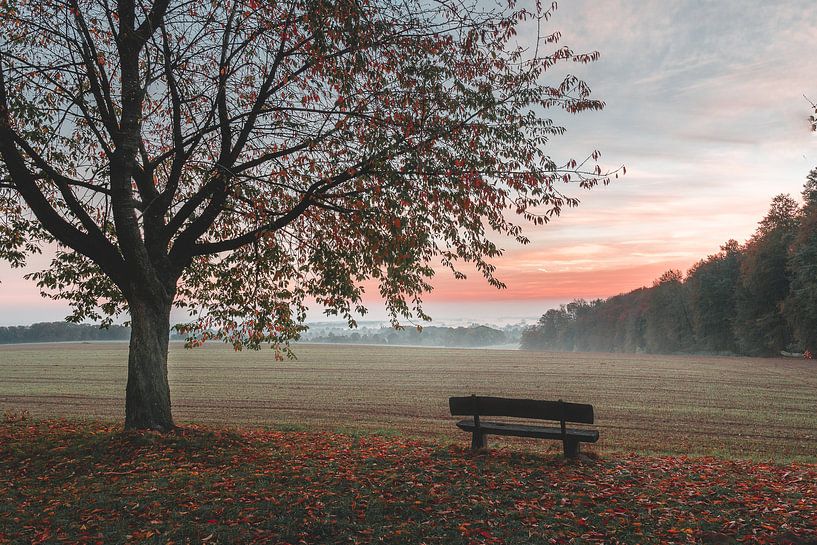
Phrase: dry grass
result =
(731, 407)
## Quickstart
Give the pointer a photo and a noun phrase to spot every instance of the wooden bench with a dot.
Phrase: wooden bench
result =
(560, 411)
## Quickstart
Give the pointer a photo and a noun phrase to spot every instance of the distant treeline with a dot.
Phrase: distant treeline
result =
(61, 332)
(473, 336)
(757, 299)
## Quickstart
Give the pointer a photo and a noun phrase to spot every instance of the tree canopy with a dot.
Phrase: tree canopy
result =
(239, 159)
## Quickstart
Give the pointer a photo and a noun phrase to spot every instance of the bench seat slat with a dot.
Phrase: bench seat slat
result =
(523, 430)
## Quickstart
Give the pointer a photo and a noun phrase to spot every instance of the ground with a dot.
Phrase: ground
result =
(762, 409)
(71, 481)
(355, 445)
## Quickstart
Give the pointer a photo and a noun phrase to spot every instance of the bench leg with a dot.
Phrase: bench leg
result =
(478, 440)
(571, 448)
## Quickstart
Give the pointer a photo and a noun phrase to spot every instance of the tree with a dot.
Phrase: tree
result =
(810, 189)
(551, 332)
(711, 289)
(237, 158)
(668, 323)
(613, 325)
(760, 326)
(800, 306)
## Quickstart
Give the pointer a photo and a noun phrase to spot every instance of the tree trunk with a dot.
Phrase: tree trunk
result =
(147, 399)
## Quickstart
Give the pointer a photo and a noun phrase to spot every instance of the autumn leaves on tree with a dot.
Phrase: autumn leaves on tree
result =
(238, 159)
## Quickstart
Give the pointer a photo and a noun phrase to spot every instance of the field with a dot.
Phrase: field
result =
(727, 407)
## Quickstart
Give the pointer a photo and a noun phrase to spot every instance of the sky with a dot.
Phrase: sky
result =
(704, 106)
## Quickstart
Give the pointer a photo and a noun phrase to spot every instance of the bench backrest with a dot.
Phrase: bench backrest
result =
(521, 408)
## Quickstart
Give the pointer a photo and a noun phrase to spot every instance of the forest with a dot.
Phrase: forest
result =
(756, 299)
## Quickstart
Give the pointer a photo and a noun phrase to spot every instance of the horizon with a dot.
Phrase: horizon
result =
(708, 129)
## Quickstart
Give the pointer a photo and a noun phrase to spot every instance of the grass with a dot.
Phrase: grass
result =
(745, 408)
(68, 481)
